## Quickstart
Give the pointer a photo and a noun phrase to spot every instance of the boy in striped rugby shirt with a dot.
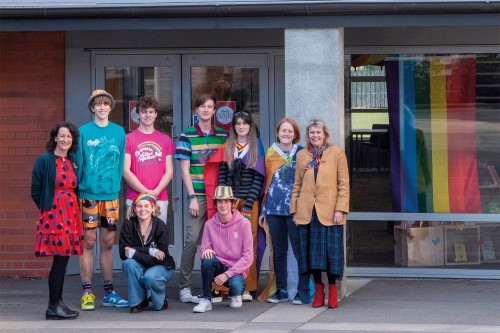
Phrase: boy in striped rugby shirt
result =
(195, 146)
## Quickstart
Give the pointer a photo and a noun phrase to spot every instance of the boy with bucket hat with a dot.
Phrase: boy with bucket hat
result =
(226, 251)
(100, 156)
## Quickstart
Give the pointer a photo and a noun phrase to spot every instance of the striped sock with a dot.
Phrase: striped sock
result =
(87, 286)
(108, 287)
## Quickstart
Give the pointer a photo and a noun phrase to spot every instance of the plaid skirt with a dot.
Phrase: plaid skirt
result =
(321, 247)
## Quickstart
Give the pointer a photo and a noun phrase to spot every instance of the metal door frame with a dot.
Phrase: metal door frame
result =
(103, 59)
(253, 60)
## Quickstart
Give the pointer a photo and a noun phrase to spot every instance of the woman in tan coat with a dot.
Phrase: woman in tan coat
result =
(320, 202)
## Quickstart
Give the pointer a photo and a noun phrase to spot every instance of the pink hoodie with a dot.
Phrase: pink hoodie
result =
(232, 242)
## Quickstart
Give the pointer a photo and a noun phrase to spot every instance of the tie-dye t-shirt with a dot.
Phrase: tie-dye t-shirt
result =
(280, 190)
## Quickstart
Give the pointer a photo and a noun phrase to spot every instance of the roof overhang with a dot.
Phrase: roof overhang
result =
(12, 9)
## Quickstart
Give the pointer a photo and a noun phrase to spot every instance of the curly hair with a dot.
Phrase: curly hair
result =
(146, 102)
(73, 130)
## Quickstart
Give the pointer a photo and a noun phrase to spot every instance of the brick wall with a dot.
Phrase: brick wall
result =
(31, 102)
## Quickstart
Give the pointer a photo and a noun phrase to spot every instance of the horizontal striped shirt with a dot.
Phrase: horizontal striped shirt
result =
(247, 186)
(198, 147)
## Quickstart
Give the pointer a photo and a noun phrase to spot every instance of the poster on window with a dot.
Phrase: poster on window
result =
(133, 121)
(224, 111)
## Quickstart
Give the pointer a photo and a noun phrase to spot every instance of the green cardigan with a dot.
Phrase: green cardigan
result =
(43, 180)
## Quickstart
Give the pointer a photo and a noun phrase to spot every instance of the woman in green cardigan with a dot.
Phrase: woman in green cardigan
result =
(59, 226)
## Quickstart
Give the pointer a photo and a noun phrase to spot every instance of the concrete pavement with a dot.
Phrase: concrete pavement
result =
(379, 305)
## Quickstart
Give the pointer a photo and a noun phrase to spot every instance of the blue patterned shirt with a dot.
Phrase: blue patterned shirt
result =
(280, 189)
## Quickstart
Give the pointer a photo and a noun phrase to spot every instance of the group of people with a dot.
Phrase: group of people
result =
(235, 191)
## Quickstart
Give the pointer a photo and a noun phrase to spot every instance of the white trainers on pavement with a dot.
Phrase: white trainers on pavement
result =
(204, 306)
(216, 296)
(235, 302)
(247, 297)
(185, 296)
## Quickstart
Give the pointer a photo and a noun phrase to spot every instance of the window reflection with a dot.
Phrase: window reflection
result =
(442, 113)
(127, 84)
(470, 245)
(443, 120)
(238, 85)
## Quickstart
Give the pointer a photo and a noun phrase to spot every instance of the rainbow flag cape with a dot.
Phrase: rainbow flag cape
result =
(432, 110)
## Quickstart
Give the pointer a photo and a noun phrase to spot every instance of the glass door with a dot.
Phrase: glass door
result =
(239, 82)
(128, 77)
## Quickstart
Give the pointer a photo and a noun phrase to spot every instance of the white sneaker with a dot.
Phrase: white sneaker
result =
(216, 296)
(247, 297)
(196, 299)
(185, 296)
(203, 306)
(236, 302)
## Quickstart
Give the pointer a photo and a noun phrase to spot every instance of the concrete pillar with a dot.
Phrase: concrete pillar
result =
(314, 78)
(314, 85)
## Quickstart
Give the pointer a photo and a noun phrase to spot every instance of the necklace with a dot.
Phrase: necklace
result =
(145, 231)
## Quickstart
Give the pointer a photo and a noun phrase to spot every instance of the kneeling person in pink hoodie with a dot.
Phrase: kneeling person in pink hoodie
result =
(226, 251)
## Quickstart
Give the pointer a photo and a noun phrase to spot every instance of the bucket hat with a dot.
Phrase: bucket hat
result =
(224, 193)
(98, 93)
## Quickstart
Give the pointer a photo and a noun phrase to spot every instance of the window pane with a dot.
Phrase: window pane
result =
(452, 245)
(127, 84)
(239, 85)
(425, 142)
(440, 153)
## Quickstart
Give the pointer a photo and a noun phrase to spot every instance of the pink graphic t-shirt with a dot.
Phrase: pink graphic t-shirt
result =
(148, 153)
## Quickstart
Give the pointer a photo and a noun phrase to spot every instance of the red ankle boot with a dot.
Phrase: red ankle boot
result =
(333, 302)
(319, 296)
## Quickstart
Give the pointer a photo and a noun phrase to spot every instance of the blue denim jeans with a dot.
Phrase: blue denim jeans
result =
(282, 227)
(140, 279)
(210, 268)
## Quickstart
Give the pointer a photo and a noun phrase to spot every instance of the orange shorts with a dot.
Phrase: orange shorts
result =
(100, 213)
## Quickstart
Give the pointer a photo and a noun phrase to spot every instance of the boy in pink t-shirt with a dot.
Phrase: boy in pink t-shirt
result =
(148, 166)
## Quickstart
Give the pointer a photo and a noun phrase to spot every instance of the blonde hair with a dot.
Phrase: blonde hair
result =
(320, 124)
(131, 212)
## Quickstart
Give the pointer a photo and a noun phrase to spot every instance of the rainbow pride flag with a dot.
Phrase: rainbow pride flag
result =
(432, 110)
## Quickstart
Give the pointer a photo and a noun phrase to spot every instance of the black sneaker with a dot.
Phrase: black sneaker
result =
(140, 307)
(165, 304)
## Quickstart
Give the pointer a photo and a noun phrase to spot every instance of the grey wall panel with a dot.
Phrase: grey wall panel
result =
(279, 91)
(78, 86)
(175, 38)
(166, 39)
(414, 36)
(314, 78)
